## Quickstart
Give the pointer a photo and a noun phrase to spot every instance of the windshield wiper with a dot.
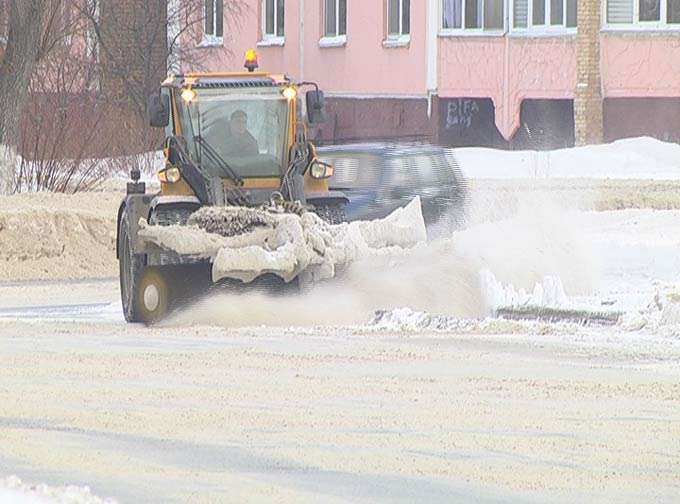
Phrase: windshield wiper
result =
(215, 157)
(233, 195)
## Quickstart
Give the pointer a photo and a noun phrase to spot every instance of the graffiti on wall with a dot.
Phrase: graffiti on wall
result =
(460, 112)
(466, 121)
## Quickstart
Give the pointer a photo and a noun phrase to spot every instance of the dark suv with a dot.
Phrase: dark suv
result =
(378, 178)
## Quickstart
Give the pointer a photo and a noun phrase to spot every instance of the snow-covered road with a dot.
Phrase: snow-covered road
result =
(492, 411)
(503, 412)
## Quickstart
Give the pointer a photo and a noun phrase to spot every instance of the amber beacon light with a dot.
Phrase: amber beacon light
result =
(251, 60)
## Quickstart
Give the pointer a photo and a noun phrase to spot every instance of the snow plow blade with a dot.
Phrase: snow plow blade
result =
(245, 243)
(551, 315)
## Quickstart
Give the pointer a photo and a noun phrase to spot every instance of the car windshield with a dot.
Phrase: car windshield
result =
(247, 130)
(353, 171)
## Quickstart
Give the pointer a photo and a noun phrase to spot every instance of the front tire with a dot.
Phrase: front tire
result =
(145, 294)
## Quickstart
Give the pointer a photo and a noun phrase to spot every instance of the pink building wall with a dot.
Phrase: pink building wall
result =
(640, 65)
(362, 66)
(365, 66)
(508, 69)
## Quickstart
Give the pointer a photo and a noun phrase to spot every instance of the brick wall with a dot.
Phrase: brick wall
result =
(588, 93)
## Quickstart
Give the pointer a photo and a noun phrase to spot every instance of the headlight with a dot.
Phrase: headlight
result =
(188, 95)
(170, 175)
(289, 93)
(321, 170)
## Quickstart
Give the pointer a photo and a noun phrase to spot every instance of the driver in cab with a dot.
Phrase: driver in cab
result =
(239, 141)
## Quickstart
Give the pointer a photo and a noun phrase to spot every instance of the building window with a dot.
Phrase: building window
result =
(398, 18)
(673, 12)
(650, 10)
(273, 19)
(544, 15)
(644, 13)
(472, 15)
(335, 18)
(214, 20)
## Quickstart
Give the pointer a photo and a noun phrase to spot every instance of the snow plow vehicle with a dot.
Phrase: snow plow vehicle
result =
(242, 193)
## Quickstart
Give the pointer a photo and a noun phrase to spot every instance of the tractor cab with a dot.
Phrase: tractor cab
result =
(237, 138)
(245, 132)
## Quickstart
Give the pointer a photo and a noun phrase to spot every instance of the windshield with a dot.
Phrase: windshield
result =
(248, 131)
(353, 171)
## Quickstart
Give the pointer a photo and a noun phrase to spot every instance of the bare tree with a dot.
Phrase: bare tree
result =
(117, 52)
(61, 126)
(139, 44)
(19, 60)
(34, 29)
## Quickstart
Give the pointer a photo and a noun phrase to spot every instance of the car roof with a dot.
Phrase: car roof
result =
(383, 149)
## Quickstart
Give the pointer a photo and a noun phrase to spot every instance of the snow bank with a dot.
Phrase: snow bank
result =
(14, 491)
(288, 245)
(632, 158)
(661, 314)
(45, 235)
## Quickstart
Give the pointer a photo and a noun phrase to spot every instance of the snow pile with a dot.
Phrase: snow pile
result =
(631, 158)
(45, 235)
(547, 293)
(287, 244)
(405, 319)
(534, 243)
(662, 313)
(14, 491)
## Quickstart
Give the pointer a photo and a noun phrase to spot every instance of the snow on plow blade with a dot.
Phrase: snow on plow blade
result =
(244, 243)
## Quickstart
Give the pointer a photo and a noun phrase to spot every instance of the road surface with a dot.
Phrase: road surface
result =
(495, 411)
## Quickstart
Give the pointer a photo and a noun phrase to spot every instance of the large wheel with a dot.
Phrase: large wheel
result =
(333, 213)
(144, 291)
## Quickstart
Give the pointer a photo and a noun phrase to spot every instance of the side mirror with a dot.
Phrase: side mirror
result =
(316, 107)
(174, 149)
(159, 110)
